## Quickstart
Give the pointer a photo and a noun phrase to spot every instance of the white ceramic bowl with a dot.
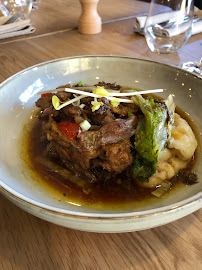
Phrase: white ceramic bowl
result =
(17, 97)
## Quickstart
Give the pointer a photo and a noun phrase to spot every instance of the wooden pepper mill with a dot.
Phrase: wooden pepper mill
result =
(89, 21)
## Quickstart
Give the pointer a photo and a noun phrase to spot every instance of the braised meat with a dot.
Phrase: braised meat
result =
(44, 102)
(125, 110)
(118, 156)
(105, 146)
(101, 116)
(117, 131)
(105, 143)
(113, 86)
(73, 113)
(63, 95)
(110, 144)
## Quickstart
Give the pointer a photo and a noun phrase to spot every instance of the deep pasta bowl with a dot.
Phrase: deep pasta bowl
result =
(17, 101)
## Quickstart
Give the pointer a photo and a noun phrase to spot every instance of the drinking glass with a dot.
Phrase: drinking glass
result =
(169, 30)
(35, 4)
(195, 67)
(10, 7)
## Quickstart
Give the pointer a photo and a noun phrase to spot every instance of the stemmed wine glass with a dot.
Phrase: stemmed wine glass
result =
(35, 2)
(168, 31)
(195, 67)
(10, 7)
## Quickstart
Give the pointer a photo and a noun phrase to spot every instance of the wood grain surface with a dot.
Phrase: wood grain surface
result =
(51, 17)
(117, 38)
(29, 243)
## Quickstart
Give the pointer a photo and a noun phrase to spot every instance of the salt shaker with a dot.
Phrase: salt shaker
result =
(89, 21)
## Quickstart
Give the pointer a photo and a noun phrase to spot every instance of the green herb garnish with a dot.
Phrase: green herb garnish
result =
(130, 114)
(81, 83)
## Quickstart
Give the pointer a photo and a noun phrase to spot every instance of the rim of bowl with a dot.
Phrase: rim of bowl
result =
(92, 215)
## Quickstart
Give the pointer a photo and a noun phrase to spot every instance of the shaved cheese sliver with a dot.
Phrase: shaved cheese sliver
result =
(55, 102)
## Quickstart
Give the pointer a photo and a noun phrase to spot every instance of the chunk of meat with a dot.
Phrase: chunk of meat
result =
(104, 144)
(72, 160)
(101, 116)
(52, 132)
(67, 150)
(118, 156)
(44, 102)
(106, 147)
(90, 142)
(73, 112)
(63, 95)
(109, 85)
(117, 131)
(124, 110)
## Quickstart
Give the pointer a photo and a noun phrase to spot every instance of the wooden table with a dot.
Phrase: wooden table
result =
(27, 242)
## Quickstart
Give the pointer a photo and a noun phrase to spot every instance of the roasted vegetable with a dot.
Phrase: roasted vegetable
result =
(151, 136)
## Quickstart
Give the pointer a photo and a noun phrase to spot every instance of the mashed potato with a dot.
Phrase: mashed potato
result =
(177, 156)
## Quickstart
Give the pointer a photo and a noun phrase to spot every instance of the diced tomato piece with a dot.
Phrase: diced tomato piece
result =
(70, 129)
(46, 94)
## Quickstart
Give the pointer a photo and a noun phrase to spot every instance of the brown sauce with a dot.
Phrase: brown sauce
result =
(120, 192)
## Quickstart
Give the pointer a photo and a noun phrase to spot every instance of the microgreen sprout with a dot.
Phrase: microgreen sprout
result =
(81, 83)
(115, 102)
(101, 91)
(56, 102)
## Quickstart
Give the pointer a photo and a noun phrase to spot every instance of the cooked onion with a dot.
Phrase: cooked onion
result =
(162, 189)
(85, 125)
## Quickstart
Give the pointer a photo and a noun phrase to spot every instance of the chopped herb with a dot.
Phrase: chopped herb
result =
(130, 114)
(71, 147)
(81, 83)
